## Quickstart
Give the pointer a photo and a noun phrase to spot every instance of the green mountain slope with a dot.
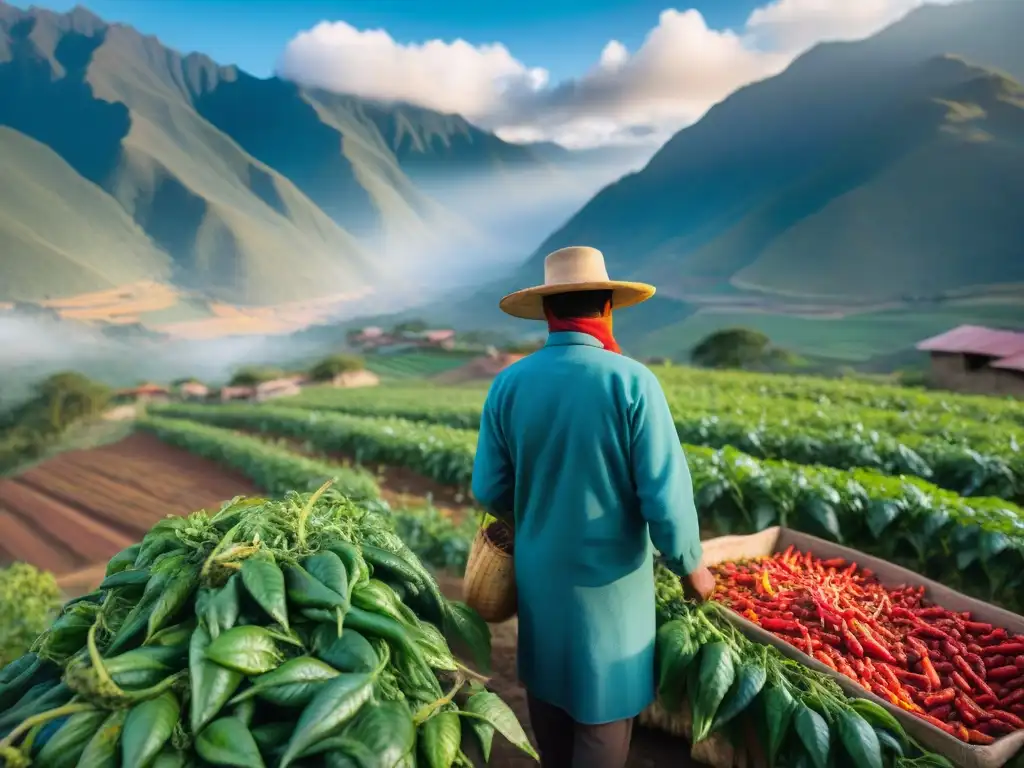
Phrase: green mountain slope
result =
(117, 107)
(61, 234)
(777, 134)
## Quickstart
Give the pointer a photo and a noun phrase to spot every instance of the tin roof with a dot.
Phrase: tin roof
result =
(1013, 363)
(976, 340)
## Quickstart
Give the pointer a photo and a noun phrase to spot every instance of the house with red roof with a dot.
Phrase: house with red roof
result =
(978, 360)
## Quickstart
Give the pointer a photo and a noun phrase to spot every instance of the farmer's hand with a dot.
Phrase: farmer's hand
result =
(700, 584)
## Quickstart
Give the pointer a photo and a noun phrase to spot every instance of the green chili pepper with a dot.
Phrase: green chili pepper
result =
(293, 684)
(211, 684)
(41, 698)
(335, 704)
(228, 742)
(392, 564)
(329, 570)
(126, 578)
(250, 650)
(305, 591)
(34, 672)
(66, 746)
(264, 580)
(101, 751)
(369, 623)
(175, 595)
(440, 738)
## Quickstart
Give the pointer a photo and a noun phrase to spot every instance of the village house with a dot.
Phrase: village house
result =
(377, 339)
(145, 393)
(227, 394)
(268, 390)
(352, 379)
(977, 360)
(193, 390)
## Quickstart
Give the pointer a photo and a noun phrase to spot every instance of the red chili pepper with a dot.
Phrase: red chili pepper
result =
(1019, 662)
(986, 700)
(781, 625)
(1007, 672)
(1013, 685)
(977, 627)
(853, 644)
(933, 633)
(913, 679)
(835, 562)
(969, 674)
(940, 724)
(930, 673)
(934, 612)
(1015, 697)
(942, 667)
(944, 696)
(966, 713)
(977, 737)
(1007, 717)
(941, 713)
(995, 661)
(960, 683)
(1004, 649)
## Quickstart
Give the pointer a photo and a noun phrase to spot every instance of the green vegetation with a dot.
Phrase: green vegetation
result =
(29, 601)
(329, 367)
(58, 402)
(906, 520)
(415, 365)
(968, 457)
(252, 375)
(207, 632)
(740, 348)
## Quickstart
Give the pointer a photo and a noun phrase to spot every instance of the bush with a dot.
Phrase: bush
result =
(741, 348)
(252, 375)
(29, 601)
(331, 366)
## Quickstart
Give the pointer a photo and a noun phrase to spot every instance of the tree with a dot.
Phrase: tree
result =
(331, 366)
(411, 326)
(735, 348)
(251, 375)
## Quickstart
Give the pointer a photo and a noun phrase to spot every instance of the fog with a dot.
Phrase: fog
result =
(482, 226)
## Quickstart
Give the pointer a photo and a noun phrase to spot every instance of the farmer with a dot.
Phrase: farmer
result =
(578, 451)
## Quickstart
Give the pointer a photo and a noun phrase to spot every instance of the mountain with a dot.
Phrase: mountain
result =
(249, 191)
(60, 233)
(876, 175)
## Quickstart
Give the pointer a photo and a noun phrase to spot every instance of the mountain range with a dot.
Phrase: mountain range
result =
(863, 198)
(878, 183)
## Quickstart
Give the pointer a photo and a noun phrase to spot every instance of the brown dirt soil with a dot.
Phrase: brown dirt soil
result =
(71, 513)
(649, 749)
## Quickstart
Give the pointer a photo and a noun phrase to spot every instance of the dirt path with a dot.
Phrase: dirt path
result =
(649, 748)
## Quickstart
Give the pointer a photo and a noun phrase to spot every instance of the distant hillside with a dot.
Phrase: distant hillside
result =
(257, 191)
(877, 175)
(62, 234)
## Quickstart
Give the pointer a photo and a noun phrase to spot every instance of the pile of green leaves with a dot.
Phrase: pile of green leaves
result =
(802, 716)
(29, 600)
(293, 632)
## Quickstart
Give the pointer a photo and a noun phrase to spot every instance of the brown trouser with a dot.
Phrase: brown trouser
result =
(564, 743)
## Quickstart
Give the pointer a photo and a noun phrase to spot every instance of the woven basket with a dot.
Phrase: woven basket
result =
(489, 586)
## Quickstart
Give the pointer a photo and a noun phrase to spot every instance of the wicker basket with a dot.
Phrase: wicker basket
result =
(489, 586)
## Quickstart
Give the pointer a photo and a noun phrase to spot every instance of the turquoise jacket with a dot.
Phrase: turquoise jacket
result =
(577, 446)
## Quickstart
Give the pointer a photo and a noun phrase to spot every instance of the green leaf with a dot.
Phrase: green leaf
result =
(814, 734)
(228, 742)
(147, 727)
(211, 684)
(880, 513)
(250, 650)
(491, 709)
(439, 739)
(264, 580)
(335, 704)
(464, 626)
(293, 684)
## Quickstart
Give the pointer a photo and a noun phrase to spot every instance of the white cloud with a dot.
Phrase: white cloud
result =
(681, 69)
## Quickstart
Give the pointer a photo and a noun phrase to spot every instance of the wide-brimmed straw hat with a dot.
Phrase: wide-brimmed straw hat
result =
(577, 268)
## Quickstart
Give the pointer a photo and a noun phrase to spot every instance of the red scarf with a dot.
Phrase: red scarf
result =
(598, 327)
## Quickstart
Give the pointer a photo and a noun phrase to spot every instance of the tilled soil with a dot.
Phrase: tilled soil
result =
(74, 511)
(649, 748)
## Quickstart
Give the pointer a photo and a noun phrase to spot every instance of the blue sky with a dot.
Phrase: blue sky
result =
(580, 72)
(563, 36)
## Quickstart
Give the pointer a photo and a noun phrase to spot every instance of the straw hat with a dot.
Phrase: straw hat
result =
(577, 268)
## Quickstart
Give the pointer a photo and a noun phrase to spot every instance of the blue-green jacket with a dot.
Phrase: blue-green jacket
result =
(577, 446)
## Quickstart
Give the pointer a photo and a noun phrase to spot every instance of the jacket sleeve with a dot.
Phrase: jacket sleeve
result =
(493, 473)
(663, 481)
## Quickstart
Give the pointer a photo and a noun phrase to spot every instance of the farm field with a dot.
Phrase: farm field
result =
(80, 507)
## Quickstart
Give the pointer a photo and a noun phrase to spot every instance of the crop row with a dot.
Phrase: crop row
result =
(844, 391)
(275, 469)
(976, 545)
(976, 460)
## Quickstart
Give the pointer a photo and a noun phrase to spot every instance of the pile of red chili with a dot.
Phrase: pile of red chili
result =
(963, 676)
